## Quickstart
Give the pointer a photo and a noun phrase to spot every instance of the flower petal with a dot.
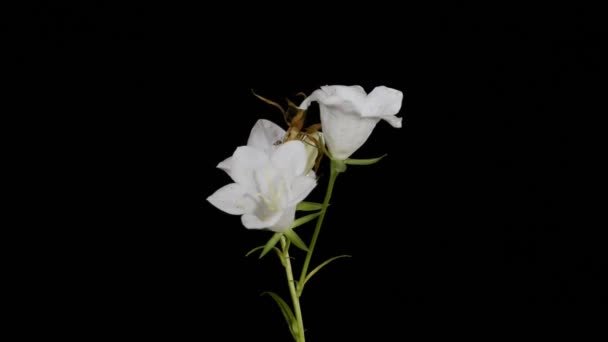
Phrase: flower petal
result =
(350, 97)
(252, 221)
(232, 199)
(285, 221)
(300, 189)
(290, 157)
(310, 99)
(245, 161)
(225, 165)
(268, 180)
(393, 120)
(382, 101)
(339, 95)
(345, 132)
(265, 134)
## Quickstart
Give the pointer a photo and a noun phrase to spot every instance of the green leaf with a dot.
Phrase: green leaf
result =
(274, 248)
(287, 313)
(318, 268)
(270, 244)
(363, 161)
(309, 206)
(295, 239)
(254, 249)
(300, 221)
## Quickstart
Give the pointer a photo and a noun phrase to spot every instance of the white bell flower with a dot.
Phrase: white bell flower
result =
(349, 115)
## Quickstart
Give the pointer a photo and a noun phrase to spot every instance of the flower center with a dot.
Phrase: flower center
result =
(272, 194)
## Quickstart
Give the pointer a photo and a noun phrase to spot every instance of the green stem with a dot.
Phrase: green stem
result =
(292, 289)
(336, 168)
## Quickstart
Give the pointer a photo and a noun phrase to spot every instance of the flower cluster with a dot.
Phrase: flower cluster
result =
(271, 178)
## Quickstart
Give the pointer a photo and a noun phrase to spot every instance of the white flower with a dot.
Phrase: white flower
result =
(349, 115)
(267, 186)
(266, 136)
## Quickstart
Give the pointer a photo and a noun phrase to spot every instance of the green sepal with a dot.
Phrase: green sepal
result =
(304, 219)
(309, 206)
(363, 161)
(270, 244)
(295, 239)
(274, 248)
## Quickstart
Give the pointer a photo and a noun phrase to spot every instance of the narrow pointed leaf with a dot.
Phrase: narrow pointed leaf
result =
(286, 311)
(253, 250)
(309, 206)
(300, 221)
(318, 268)
(270, 244)
(260, 247)
(363, 161)
(295, 239)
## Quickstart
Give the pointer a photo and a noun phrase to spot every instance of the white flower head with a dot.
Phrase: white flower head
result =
(349, 115)
(268, 185)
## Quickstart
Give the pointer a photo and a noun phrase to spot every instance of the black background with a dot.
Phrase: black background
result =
(470, 226)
